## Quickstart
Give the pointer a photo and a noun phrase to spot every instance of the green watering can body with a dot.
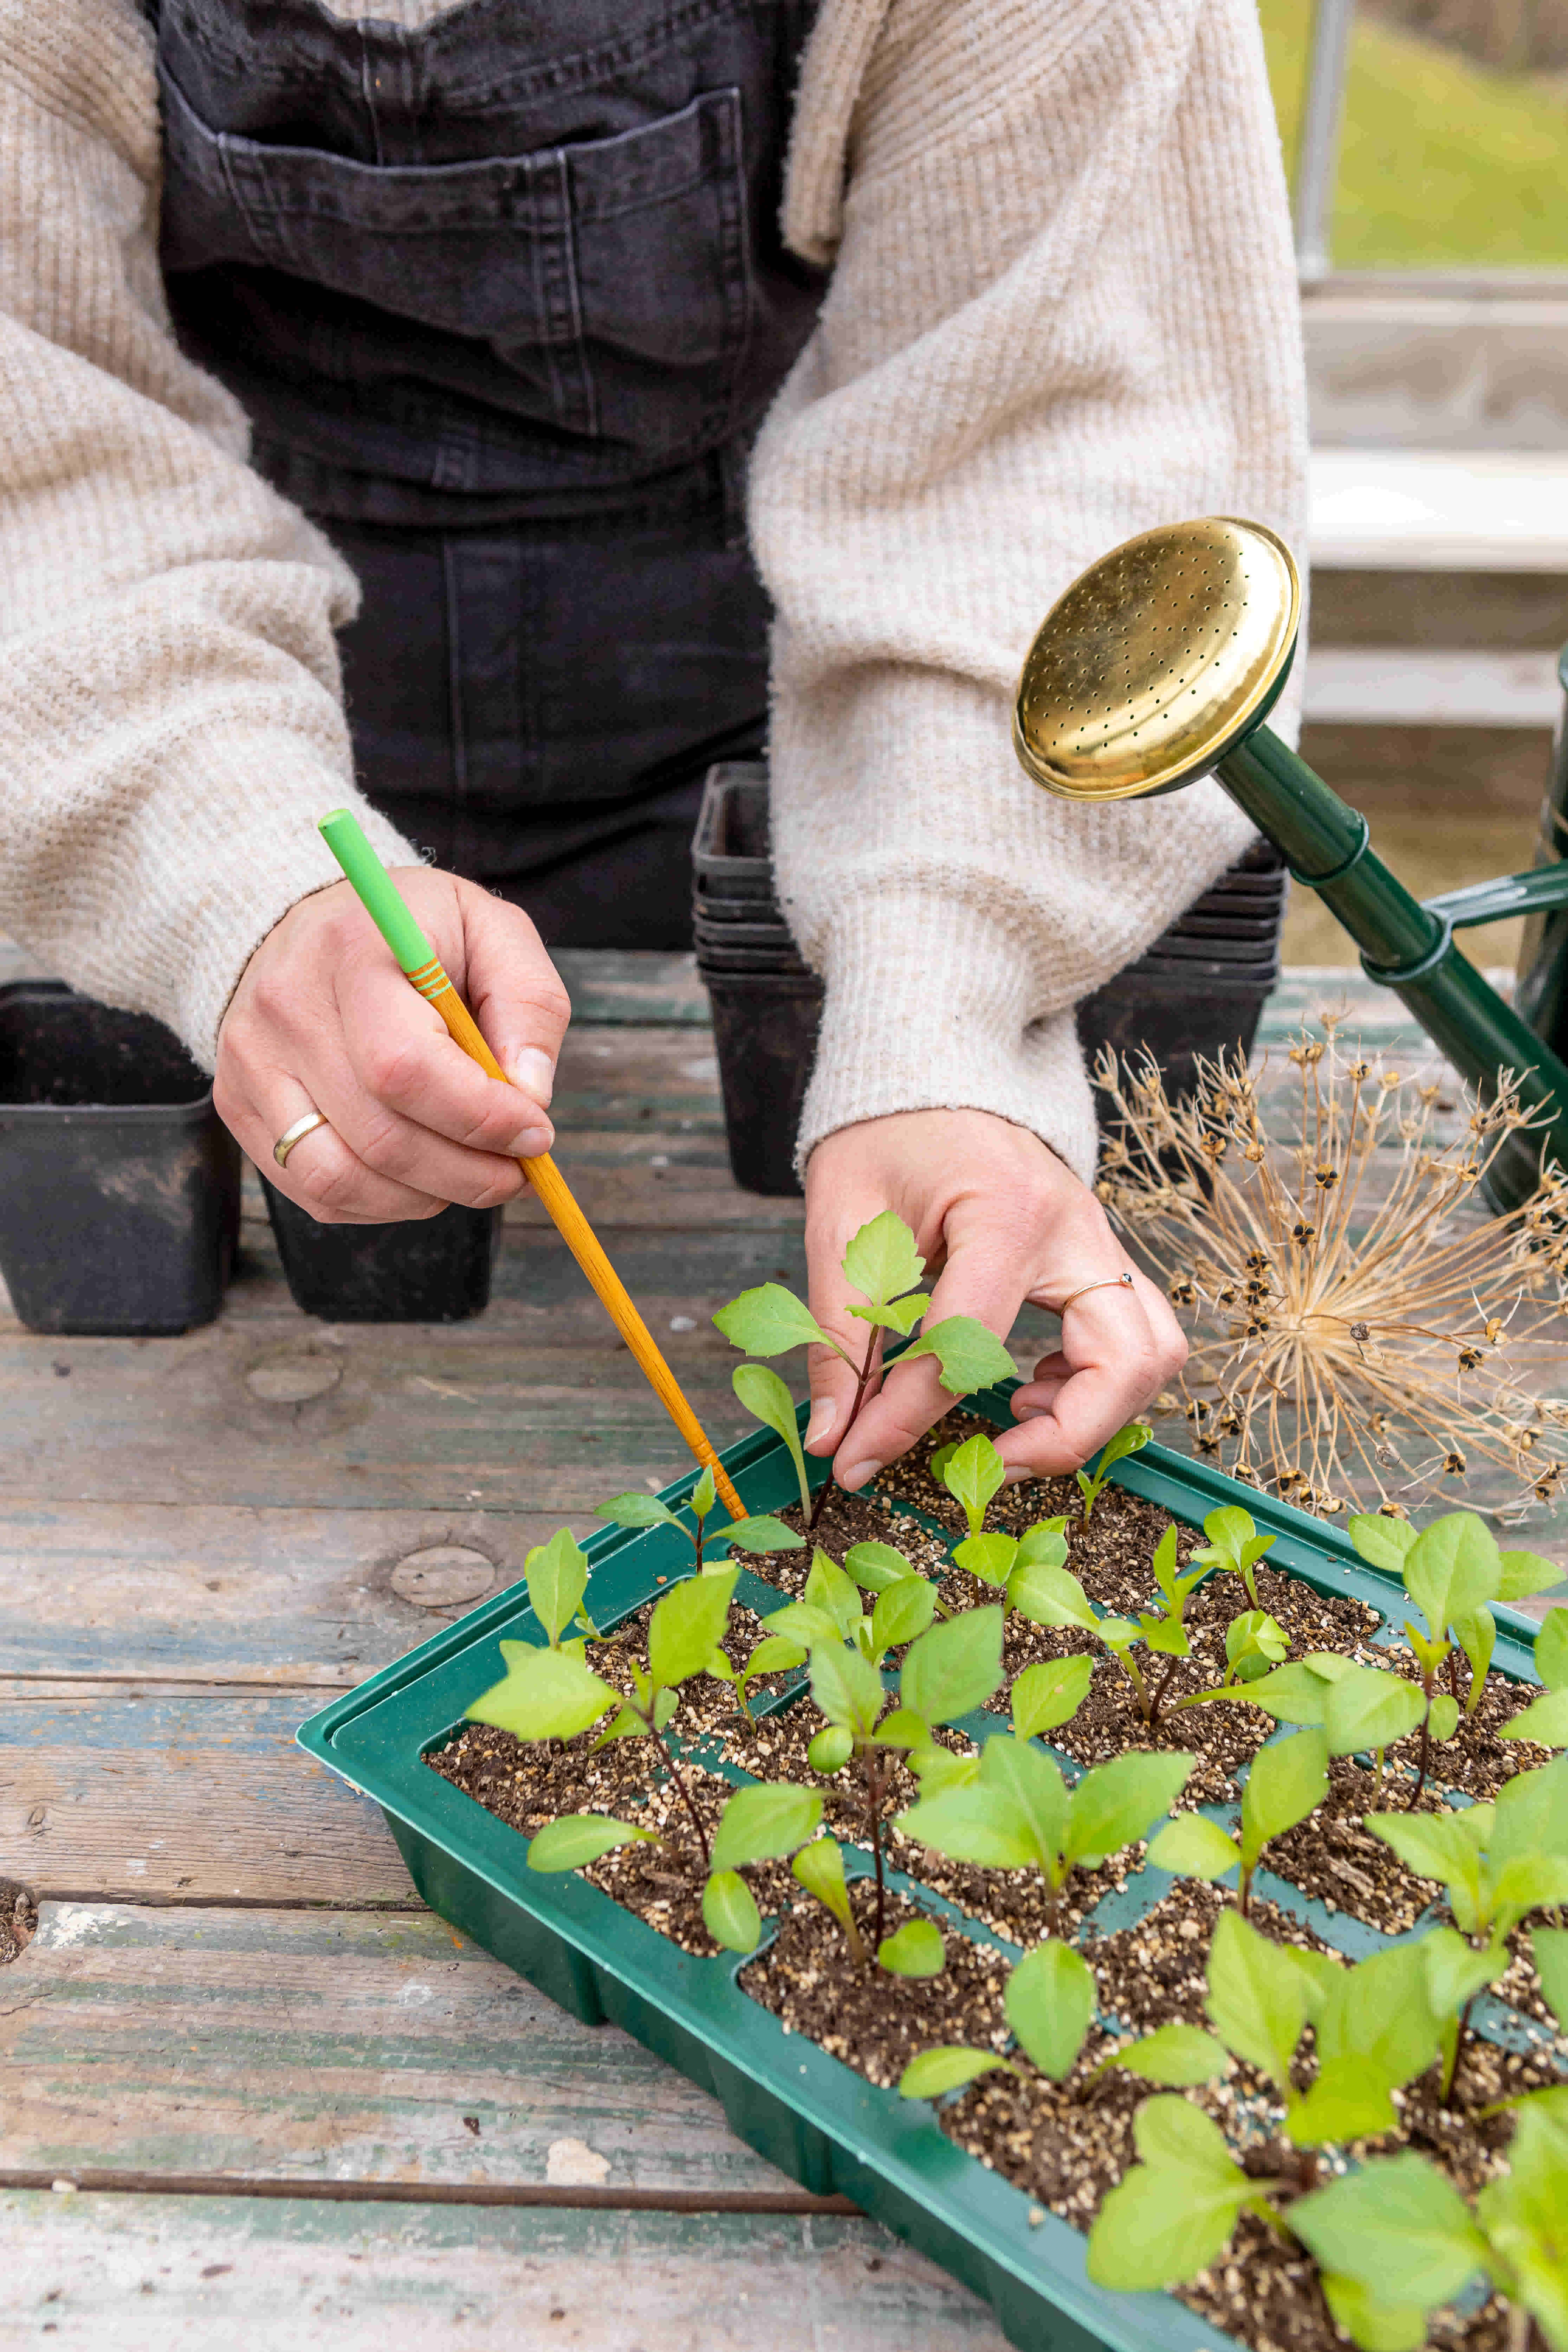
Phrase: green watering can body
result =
(1160, 665)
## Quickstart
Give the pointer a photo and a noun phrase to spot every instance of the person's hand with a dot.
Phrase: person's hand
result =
(1005, 1221)
(323, 1020)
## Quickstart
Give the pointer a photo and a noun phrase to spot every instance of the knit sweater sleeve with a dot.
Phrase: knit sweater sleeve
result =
(171, 725)
(1063, 310)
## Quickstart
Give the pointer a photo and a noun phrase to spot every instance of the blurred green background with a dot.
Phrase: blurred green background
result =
(1447, 158)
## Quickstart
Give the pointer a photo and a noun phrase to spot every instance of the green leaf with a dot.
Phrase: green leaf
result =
(1456, 1972)
(1396, 2227)
(936, 2072)
(1451, 1569)
(882, 1261)
(1368, 1708)
(1173, 2215)
(1377, 2017)
(548, 1695)
(1166, 1636)
(846, 1687)
(1049, 2001)
(1027, 1777)
(767, 1320)
(1529, 1883)
(819, 1868)
(1550, 1950)
(767, 1400)
(1287, 1780)
(1175, 2057)
(1229, 1530)
(635, 1511)
(1057, 1598)
(901, 1613)
(936, 1468)
(828, 1588)
(1254, 1635)
(874, 1565)
(686, 1625)
(1544, 1720)
(915, 1949)
(761, 1822)
(1373, 2324)
(1291, 1694)
(1552, 1649)
(730, 1912)
(898, 1314)
(990, 1558)
(936, 1768)
(578, 1838)
(1444, 1717)
(774, 1654)
(1530, 1815)
(1525, 1573)
(1345, 2102)
(761, 1534)
(1116, 1802)
(557, 1575)
(831, 1750)
(1050, 1693)
(952, 1668)
(974, 1473)
(1192, 1846)
(973, 1824)
(703, 1495)
(1525, 2216)
(1044, 1544)
(970, 1357)
(1382, 1542)
(721, 1669)
(1131, 1438)
(1434, 1845)
(1257, 1999)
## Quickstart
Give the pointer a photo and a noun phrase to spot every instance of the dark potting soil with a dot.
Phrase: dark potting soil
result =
(848, 1520)
(1476, 1760)
(874, 2022)
(1330, 1855)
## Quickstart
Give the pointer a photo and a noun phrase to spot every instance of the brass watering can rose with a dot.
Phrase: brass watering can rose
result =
(1157, 660)
(1160, 666)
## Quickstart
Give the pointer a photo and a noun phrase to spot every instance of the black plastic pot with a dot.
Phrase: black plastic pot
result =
(119, 1182)
(431, 1270)
(765, 1034)
(1177, 1016)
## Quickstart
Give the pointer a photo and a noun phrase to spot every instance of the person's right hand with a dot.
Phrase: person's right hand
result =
(323, 1020)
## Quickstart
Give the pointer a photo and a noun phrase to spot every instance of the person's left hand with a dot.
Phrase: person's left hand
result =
(1000, 1220)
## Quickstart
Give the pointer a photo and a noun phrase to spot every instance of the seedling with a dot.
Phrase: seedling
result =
(1545, 1719)
(831, 1612)
(763, 1534)
(767, 1400)
(915, 1949)
(1130, 1439)
(556, 1573)
(947, 1672)
(1017, 1813)
(1361, 1709)
(1048, 2002)
(1286, 1782)
(1235, 1543)
(1055, 1597)
(883, 1265)
(1497, 1863)
(1453, 1571)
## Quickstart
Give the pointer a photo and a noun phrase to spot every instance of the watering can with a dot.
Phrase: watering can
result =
(1160, 665)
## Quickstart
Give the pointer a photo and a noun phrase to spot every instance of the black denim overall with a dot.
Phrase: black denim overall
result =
(505, 300)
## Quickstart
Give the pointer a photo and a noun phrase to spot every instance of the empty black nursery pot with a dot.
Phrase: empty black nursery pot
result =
(119, 1182)
(1199, 990)
(431, 1270)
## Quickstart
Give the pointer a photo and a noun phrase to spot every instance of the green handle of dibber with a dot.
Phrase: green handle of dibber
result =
(378, 893)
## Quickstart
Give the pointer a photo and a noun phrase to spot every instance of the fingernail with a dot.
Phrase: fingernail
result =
(531, 1143)
(1028, 1412)
(856, 1478)
(823, 1415)
(534, 1071)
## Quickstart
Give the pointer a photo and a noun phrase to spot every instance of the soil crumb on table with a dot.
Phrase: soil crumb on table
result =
(876, 2023)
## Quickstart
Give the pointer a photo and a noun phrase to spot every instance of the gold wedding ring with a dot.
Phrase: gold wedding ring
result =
(1111, 1282)
(291, 1136)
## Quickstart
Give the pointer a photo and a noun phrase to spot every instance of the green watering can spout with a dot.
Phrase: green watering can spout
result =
(1160, 666)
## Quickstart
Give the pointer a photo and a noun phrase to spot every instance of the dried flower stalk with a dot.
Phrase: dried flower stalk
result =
(1355, 1338)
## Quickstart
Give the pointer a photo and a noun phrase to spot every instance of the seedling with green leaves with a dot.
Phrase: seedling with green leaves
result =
(1363, 1710)
(1235, 1543)
(883, 1266)
(1130, 1439)
(1048, 2001)
(973, 1473)
(830, 1610)
(556, 1574)
(947, 1670)
(1545, 1719)
(1287, 1780)
(915, 1949)
(762, 1535)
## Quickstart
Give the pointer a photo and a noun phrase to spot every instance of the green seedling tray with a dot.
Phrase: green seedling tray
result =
(808, 2114)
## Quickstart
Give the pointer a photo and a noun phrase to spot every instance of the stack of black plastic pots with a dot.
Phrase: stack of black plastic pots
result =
(1199, 990)
(766, 1003)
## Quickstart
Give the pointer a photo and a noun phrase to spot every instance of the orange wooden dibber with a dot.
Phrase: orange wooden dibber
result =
(424, 971)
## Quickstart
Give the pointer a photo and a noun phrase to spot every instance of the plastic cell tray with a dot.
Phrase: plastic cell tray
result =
(813, 2116)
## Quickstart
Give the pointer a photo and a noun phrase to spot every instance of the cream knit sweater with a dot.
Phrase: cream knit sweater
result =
(1062, 310)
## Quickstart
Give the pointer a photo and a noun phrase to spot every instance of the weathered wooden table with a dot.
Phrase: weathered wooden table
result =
(250, 2091)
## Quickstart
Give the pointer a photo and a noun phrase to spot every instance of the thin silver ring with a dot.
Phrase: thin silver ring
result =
(1111, 1282)
(302, 1127)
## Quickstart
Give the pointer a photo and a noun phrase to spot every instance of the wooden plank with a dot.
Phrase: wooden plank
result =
(332, 2046)
(187, 1795)
(636, 986)
(203, 1594)
(147, 2273)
